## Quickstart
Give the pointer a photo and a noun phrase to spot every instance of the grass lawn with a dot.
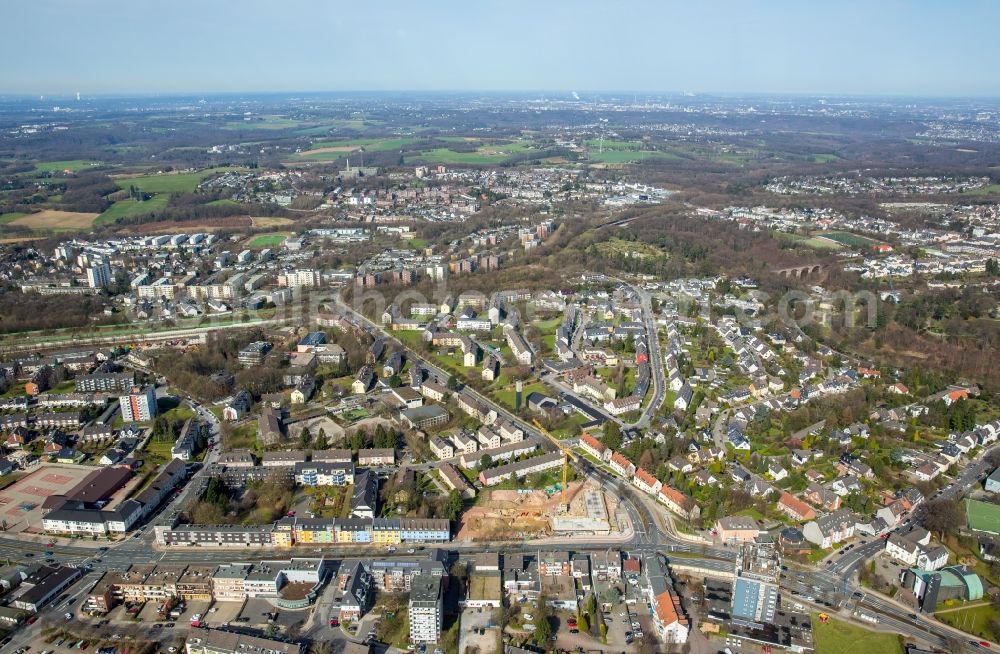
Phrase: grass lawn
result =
(159, 451)
(244, 436)
(419, 243)
(73, 165)
(268, 240)
(224, 202)
(126, 208)
(507, 395)
(975, 620)
(395, 629)
(837, 637)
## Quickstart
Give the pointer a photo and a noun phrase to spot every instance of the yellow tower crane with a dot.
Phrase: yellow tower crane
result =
(567, 454)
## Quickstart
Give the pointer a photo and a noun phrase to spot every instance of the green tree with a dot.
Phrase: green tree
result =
(454, 506)
(452, 382)
(612, 435)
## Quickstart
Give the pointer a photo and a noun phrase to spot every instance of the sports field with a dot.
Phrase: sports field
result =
(848, 239)
(983, 516)
(21, 502)
(268, 240)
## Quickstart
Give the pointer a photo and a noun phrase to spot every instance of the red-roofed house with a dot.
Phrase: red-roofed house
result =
(670, 626)
(955, 396)
(646, 482)
(595, 448)
(622, 465)
(795, 508)
(679, 503)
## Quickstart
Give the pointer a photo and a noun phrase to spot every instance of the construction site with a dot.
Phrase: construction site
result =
(530, 514)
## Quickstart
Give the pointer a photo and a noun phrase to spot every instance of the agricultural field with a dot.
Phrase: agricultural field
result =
(627, 156)
(127, 208)
(837, 637)
(168, 182)
(483, 155)
(265, 222)
(618, 152)
(263, 122)
(333, 150)
(55, 220)
(73, 166)
(11, 217)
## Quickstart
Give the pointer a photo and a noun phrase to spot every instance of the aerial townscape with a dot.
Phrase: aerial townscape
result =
(494, 371)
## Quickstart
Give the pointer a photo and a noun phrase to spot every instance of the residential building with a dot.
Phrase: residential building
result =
(139, 405)
(426, 608)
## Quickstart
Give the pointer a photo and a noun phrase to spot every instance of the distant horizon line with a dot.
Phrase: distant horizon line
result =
(547, 93)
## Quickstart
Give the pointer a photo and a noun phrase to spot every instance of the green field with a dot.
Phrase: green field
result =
(224, 202)
(126, 208)
(73, 165)
(268, 240)
(371, 145)
(345, 123)
(825, 158)
(507, 396)
(989, 189)
(627, 156)
(263, 122)
(837, 637)
(618, 152)
(849, 239)
(813, 242)
(11, 217)
(168, 182)
(975, 620)
(983, 516)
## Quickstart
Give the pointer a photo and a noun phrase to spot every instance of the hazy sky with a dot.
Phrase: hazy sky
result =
(869, 47)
